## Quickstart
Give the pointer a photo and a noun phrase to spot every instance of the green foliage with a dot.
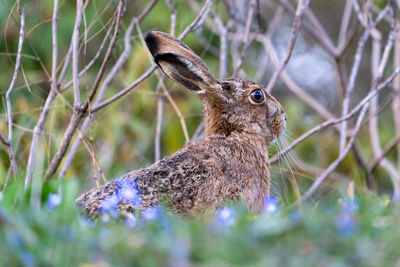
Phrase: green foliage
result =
(35, 235)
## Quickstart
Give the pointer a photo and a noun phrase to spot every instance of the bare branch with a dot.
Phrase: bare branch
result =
(345, 22)
(246, 39)
(75, 54)
(223, 49)
(107, 81)
(13, 162)
(50, 98)
(199, 19)
(341, 157)
(354, 72)
(157, 138)
(338, 120)
(301, 7)
(79, 113)
(396, 84)
(193, 26)
(386, 150)
(321, 37)
(297, 90)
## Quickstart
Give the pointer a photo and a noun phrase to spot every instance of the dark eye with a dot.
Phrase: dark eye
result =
(257, 96)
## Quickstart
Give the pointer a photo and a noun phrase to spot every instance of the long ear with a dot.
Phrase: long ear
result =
(180, 63)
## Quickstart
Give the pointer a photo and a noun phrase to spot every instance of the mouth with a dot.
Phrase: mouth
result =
(280, 125)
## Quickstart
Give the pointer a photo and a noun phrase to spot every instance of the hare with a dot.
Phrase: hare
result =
(229, 164)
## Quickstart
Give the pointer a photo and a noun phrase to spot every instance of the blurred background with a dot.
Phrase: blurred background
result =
(122, 135)
(343, 49)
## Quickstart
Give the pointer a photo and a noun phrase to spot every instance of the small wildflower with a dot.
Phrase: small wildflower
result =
(271, 205)
(1, 196)
(109, 203)
(150, 214)
(27, 258)
(226, 216)
(130, 220)
(54, 200)
(346, 222)
(129, 191)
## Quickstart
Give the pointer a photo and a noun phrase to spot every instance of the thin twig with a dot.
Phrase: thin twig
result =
(198, 22)
(246, 39)
(353, 74)
(193, 26)
(96, 164)
(297, 90)
(386, 150)
(160, 108)
(312, 29)
(103, 89)
(345, 22)
(75, 55)
(77, 116)
(79, 113)
(341, 157)
(11, 154)
(396, 85)
(223, 48)
(377, 67)
(50, 98)
(301, 7)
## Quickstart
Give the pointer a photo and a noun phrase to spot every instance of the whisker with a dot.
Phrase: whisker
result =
(291, 177)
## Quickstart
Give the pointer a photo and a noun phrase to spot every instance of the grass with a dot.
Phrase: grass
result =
(346, 232)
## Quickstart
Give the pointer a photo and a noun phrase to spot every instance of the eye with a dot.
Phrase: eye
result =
(257, 96)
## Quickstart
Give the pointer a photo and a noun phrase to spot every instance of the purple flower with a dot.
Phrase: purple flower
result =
(271, 205)
(53, 200)
(226, 216)
(151, 214)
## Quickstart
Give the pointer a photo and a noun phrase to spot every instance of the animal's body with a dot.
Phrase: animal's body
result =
(230, 163)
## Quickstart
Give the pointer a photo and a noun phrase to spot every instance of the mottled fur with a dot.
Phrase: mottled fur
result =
(230, 163)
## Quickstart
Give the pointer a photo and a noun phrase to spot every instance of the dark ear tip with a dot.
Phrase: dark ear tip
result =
(151, 42)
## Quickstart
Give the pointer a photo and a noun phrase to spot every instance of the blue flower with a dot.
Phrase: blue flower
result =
(346, 222)
(27, 258)
(130, 220)
(53, 200)
(226, 216)
(128, 191)
(109, 203)
(1, 196)
(351, 205)
(271, 205)
(151, 214)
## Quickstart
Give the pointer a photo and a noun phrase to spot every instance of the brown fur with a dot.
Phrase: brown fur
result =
(232, 160)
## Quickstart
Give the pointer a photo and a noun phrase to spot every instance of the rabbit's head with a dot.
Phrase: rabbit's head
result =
(230, 105)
